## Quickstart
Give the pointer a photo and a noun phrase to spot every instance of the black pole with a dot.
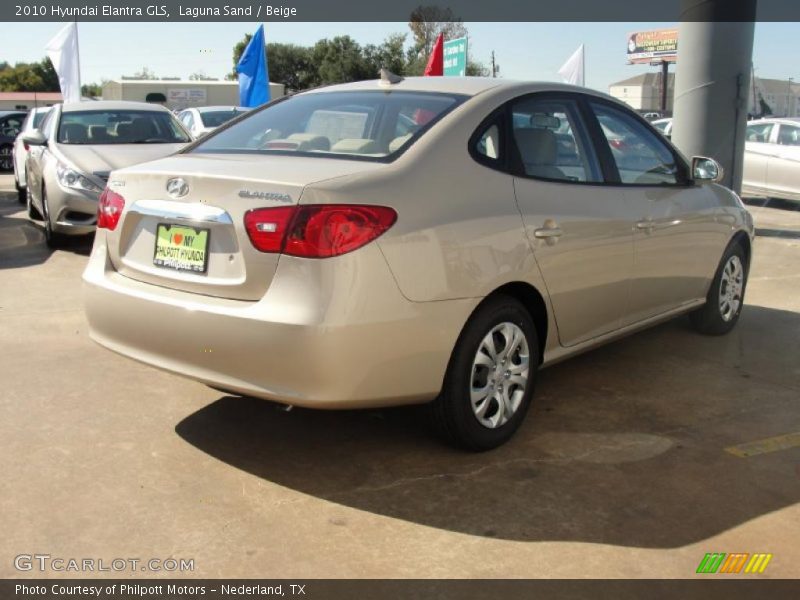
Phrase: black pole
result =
(664, 84)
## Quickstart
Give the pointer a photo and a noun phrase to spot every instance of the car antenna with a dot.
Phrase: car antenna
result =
(389, 78)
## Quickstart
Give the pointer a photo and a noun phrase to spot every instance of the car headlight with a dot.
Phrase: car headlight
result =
(70, 178)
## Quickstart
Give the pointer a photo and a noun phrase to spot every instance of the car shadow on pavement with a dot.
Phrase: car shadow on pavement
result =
(624, 445)
(22, 241)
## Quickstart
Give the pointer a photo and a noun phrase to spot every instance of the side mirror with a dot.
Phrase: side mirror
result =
(706, 169)
(34, 138)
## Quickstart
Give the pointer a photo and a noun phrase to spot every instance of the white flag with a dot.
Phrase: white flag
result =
(63, 53)
(572, 71)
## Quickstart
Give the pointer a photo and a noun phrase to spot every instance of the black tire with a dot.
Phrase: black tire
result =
(713, 318)
(51, 238)
(22, 195)
(33, 213)
(452, 412)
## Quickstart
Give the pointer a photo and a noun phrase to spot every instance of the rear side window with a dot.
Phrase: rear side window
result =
(789, 135)
(641, 157)
(551, 140)
(759, 132)
(365, 125)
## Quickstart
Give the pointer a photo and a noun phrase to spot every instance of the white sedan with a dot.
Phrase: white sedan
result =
(200, 121)
(772, 159)
(20, 151)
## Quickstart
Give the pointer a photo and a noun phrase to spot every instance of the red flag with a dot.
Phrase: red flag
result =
(436, 61)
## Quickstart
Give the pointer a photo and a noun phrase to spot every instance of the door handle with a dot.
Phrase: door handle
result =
(545, 233)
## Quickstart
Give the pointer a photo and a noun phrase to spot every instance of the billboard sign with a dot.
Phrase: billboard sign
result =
(455, 57)
(660, 45)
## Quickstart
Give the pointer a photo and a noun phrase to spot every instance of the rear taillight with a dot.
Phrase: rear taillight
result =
(109, 209)
(317, 231)
(26, 146)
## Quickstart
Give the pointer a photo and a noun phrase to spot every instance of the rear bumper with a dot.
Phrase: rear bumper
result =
(332, 333)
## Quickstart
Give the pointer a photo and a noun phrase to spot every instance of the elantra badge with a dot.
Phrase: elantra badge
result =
(177, 187)
(276, 196)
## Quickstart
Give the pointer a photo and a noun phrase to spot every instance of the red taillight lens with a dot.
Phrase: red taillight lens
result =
(26, 146)
(109, 209)
(317, 231)
(267, 227)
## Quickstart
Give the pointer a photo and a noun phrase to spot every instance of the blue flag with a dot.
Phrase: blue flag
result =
(253, 74)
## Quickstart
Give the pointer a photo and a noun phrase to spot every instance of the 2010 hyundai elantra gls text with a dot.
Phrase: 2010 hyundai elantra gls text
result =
(427, 240)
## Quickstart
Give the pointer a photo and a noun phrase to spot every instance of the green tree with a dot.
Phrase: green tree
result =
(340, 60)
(92, 90)
(292, 66)
(426, 23)
(29, 77)
(389, 55)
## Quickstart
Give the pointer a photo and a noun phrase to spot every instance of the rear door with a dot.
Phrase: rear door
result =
(579, 229)
(783, 174)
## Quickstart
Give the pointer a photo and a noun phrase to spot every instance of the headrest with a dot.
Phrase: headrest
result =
(537, 146)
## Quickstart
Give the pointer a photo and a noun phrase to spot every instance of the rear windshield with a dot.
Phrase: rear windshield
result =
(365, 125)
(119, 127)
(215, 118)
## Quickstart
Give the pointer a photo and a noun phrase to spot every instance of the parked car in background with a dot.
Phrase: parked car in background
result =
(320, 252)
(20, 151)
(10, 126)
(772, 159)
(651, 116)
(664, 126)
(200, 121)
(75, 148)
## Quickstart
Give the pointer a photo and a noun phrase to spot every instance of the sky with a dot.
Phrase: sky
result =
(533, 51)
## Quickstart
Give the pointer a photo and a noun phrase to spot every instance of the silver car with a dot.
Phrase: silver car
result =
(76, 147)
(772, 159)
(430, 240)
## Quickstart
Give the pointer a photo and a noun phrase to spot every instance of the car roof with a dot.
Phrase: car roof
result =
(468, 86)
(70, 107)
(202, 109)
(766, 120)
(5, 113)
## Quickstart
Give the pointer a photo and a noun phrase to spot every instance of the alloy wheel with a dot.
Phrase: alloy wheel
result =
(731, 286)
(499, 375)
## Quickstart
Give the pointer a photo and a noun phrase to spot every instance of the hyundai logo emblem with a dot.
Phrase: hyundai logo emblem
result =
(177, 187)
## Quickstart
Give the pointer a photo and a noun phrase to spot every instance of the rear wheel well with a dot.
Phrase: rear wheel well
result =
(533, 301)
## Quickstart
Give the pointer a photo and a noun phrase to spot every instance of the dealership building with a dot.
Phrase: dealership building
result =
(179, 94)
(643, 93)
(27, 100)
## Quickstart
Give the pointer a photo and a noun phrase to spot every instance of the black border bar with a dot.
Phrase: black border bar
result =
(395, 10)
(396, 589)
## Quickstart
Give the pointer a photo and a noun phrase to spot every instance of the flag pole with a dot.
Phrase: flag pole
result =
(78, 52)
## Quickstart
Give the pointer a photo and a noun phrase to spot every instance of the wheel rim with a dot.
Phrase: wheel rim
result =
(5, 158)
(499, 375)
(731, 286)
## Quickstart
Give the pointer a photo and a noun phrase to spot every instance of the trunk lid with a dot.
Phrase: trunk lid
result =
(219, 190)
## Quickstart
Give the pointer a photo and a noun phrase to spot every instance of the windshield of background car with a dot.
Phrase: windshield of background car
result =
(363, 125)
(119, 127)
(215, 118)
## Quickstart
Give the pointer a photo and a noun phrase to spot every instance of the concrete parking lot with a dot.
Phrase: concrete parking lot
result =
(623, 467)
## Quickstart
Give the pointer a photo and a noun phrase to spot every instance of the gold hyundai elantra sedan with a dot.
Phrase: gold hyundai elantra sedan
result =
(421, 240)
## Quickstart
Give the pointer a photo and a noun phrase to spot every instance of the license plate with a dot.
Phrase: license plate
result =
(181, 248)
